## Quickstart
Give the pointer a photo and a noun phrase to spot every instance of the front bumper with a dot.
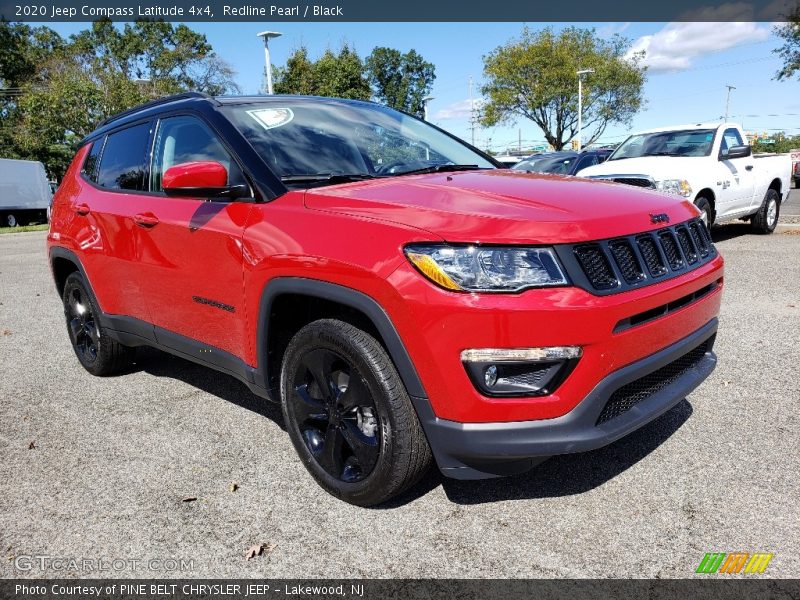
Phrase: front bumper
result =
(480, 450)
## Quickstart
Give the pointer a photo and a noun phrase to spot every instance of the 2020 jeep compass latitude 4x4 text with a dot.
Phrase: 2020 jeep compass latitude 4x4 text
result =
(405, 300)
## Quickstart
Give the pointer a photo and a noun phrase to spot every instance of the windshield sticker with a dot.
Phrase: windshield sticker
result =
(709, 137)
(269, 118)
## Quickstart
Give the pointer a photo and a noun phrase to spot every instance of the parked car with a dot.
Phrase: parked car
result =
(508, 160)
(710, 164)
(562, 163)
(24, 192)
(325, 252)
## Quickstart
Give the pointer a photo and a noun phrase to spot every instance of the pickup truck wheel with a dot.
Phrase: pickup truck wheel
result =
(349, 416)
(706, 212)
(98, 353)
(765, 220)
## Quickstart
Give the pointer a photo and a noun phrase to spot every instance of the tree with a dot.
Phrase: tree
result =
(400, 80)
(535, 78)
(337, 75)
(789, 32)
(63, 89)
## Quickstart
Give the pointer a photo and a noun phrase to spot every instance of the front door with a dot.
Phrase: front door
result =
(735, 177)
(191, 254)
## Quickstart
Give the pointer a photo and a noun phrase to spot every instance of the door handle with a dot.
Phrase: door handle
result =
(749, 168)
(82, 209)
(146, 220)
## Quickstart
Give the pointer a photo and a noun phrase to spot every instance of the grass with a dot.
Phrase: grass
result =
(24, 228)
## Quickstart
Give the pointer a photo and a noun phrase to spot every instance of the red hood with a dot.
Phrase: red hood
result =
(503, 206)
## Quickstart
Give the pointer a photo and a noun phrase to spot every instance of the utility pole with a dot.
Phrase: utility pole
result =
(728, 101)
(519, 144)
(268, 71)
(471, 111)
(581, 73)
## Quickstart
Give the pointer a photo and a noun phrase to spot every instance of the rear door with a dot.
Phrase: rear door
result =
(191, 257)
(105, 212)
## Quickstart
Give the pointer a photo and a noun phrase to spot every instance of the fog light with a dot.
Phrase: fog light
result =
(490, 376)
(508, 372)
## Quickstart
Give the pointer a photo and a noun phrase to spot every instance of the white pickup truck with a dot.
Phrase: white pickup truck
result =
(710, 164)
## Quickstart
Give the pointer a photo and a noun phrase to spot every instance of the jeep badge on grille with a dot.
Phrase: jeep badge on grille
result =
(659, 218)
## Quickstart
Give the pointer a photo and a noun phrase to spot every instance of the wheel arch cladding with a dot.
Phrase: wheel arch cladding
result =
(63, 263)
(309, 299)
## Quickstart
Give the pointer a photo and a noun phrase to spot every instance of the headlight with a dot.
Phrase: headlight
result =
(677, 187)
(486, 269)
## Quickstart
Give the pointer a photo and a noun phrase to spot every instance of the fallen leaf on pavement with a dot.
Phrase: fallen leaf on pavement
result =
(234, 487)
(258, 549)
(6, 332)
(189, 499)
(32, 446)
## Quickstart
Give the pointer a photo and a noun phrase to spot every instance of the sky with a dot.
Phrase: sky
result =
(689, 66)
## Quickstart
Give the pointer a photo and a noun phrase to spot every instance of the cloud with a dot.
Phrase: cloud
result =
(677, 45)
(457, 110)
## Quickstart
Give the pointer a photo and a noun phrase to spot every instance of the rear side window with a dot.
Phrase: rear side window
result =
(93, 160)
(123, 158)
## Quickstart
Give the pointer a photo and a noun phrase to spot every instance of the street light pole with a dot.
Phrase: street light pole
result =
(425, 101)
(267, 35)
(580, 74)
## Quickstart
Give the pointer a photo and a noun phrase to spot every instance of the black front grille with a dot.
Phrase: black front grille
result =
(674, 258)
(649, 249)
(689, 251)
(633, 393)
(637, 181)
(626, 259)
(596, 266)
(619, 264)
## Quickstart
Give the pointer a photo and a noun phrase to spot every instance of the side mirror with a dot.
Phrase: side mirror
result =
(200, 179)
(742, 151)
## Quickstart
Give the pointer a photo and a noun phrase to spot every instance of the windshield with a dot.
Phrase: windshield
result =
(302, 139)
(558, 164)
(692, 142)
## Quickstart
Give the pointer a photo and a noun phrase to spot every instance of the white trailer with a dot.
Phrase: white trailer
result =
(24, 192)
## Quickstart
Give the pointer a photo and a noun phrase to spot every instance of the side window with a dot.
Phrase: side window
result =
(587, 161)
(730, 139)
(122, 160)
(91, 163)
(187, 139)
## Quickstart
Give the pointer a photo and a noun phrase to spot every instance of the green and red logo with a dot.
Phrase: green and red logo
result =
(734, 562)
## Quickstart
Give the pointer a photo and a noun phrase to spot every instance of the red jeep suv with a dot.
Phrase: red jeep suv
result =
(402, 297)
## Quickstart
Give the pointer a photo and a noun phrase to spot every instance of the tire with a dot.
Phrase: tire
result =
(349, 416)
(766, 219)
(97, 352)
(707, 212)
(11, 220)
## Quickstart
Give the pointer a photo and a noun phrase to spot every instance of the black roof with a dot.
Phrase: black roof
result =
(197, 98)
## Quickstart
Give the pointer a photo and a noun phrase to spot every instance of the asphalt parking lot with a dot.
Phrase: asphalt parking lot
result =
(100, 469)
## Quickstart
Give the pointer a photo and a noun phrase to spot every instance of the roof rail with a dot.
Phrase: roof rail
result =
(164, 100)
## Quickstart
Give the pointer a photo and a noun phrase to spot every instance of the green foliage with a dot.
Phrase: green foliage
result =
(67, 87)
(534, 77)
(336, 75)
(789, 32)
(400, 80)
(781, 143)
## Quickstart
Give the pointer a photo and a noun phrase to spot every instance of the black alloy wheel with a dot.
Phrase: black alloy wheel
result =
(336, 415)
(349, 415)
(97, 352)
(84, 332)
